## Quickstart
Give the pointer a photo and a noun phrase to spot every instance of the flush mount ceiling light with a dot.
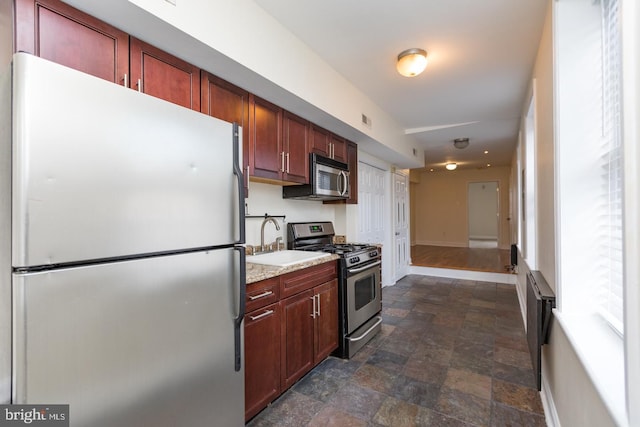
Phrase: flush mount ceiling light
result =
(412, 62)
(461, 143)
(451, 166)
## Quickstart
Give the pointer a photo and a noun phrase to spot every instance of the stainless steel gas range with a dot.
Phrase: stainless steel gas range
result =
(359, 287)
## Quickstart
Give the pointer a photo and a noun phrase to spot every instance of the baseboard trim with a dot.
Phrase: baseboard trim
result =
(483, 276)
(438, 243)
(549, 406)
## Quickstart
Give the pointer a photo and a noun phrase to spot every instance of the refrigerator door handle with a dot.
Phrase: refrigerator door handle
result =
(237, 322)
(237, 171)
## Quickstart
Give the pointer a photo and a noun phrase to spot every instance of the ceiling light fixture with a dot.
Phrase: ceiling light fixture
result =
(461, 143)
(451, 166)
(412, 62)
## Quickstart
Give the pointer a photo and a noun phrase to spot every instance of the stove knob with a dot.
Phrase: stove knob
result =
(354, 260)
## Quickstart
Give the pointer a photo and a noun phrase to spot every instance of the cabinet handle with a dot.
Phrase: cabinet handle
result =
(260, 316)
(318, 296)
(287, 155)
(313, 311)
(282, 161)
(262, 295)
(126, 80)
(139, 85)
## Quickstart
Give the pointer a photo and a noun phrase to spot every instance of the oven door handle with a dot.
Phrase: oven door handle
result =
(367, 331)
(358, 270)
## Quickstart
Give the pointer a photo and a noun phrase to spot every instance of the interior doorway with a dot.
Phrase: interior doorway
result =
(483, 214)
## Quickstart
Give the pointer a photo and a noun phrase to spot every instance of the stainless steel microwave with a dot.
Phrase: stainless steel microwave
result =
(328, 180)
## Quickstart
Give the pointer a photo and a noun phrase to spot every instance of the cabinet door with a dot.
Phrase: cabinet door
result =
(55, 31)
(338, 148)
(326, 327)
(266, 157)
(319, 141)
(261, 358)
(297, 337)
(296, 148)
(352, 161)
(222, 100)
(164, 76)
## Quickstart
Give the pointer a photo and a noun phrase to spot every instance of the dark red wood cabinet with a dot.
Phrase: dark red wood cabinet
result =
(295, 146)
(276, 143)
(338, 147)
(293, 317)
(265, 139)
(222, 100)
(352, 161)
(319, 141)
(262, 358)
(55, 31)
(297, 337)
(164, 76)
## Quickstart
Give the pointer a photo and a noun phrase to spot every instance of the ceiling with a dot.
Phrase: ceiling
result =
(481, 55)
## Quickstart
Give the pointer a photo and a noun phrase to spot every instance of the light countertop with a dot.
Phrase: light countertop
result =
(257, 272)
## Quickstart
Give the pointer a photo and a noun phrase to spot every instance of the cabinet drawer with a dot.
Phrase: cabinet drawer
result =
(262, 293)
(298, 281)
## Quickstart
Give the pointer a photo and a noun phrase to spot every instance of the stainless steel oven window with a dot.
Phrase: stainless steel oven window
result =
(365, 290)
(363, 297)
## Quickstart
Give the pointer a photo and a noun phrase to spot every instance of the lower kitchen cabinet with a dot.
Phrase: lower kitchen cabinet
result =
(309, 330)
(262, 358)
(326, 328)
(285, 339)
(297, 337)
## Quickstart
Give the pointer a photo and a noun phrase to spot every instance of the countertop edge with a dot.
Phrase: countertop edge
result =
(258, 272)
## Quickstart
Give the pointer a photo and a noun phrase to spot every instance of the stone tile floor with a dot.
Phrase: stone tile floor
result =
(451, 353)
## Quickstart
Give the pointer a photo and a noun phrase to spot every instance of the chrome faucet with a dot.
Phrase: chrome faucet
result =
(266, 219)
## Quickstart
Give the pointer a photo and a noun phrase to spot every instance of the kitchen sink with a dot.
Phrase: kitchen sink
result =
(285, 258)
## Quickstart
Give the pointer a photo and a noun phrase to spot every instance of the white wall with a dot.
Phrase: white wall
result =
(567, 387)
(267, 198)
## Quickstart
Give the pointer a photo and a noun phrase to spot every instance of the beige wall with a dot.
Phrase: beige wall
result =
(439, 205)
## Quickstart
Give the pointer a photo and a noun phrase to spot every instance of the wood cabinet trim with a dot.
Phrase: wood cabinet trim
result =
(298, 281)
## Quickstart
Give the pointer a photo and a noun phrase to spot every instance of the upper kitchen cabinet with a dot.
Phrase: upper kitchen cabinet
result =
(222, 100)
(327, 144)
(266, 159)
(55, 31)
(352, 161)
(319, 141)
(164, 76)
(295, 148)
(338, 147)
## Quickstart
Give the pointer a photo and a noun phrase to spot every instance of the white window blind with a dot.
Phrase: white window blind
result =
(609, 288)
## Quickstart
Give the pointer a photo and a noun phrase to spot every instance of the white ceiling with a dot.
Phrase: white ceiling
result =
(481, 54)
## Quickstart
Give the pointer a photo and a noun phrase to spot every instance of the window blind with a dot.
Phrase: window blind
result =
(609, 288)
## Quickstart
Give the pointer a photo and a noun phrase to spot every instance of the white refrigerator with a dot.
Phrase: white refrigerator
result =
(122, 269)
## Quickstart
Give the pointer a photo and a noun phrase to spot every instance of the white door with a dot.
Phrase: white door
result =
(401, 224)
(371, 190)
